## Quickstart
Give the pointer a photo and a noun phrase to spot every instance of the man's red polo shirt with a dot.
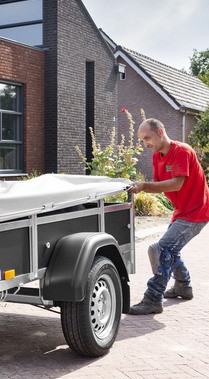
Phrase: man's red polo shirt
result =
(191, 203)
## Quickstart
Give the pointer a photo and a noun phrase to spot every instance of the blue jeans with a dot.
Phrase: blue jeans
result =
(168, 249)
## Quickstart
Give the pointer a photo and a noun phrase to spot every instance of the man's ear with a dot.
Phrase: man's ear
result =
(160, 132)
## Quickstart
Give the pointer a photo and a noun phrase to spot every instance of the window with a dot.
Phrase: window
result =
(11, 135)
(90, 95)
(22, 21)
(122, 75)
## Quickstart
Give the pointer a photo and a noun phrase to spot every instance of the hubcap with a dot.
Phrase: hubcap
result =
(103, 307)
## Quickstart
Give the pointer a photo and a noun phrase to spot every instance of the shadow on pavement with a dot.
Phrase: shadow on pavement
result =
(34, 347)
(133, 326)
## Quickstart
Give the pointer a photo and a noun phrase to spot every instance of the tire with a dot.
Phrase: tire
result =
(91, 326)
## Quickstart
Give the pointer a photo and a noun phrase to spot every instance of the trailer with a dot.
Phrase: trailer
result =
(62, 245)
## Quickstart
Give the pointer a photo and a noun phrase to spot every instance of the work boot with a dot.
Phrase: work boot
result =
(146, 307)
(179, 290)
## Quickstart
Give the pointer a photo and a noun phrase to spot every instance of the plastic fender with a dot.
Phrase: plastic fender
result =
(71, 262)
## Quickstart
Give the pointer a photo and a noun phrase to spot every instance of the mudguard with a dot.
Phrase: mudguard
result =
(71, 262)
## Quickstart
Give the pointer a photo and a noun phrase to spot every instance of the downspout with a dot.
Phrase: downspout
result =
(184, 127)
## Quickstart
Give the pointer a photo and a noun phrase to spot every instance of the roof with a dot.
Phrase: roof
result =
(54, 191)
(181, 90)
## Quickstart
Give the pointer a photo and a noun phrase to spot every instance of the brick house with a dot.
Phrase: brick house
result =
(59, 77)
(163, 92)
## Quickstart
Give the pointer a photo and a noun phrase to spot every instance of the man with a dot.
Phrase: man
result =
(179, 175)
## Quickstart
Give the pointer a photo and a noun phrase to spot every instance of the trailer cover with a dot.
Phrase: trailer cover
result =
(54, 191)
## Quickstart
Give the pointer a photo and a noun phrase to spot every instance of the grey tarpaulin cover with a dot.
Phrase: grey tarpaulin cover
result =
(54, 191)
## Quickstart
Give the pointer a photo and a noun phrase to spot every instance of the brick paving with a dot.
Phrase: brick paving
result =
(171, 345)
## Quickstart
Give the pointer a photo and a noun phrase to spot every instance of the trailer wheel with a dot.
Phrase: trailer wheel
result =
(91, 326)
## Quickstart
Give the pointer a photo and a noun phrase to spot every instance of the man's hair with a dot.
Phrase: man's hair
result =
(154, 124)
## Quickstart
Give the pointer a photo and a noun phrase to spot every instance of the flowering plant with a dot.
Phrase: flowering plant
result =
(115, 160)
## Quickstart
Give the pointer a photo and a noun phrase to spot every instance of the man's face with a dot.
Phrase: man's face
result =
(150, 139)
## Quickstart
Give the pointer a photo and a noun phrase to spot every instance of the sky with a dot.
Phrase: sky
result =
(165, 30)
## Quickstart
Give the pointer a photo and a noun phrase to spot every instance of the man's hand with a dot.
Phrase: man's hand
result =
(136, 187)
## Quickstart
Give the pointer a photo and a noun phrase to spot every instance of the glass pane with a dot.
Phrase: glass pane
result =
(10, 127)
(8, 97)
(8, 157)
(30, 35)
(20, 11)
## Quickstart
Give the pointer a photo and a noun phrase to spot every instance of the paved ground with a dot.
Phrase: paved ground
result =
(172, 345)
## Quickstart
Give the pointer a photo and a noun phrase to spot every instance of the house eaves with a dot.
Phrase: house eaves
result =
(181, 90)
(108, 39)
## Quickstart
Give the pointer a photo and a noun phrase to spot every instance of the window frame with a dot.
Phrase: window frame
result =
(19, 142)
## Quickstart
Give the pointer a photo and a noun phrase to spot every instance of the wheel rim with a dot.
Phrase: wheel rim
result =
(103, 307)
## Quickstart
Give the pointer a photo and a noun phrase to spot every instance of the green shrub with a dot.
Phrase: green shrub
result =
(115, 161)
(31, 175)
(165, 201)
(199, 140)
(147, 204)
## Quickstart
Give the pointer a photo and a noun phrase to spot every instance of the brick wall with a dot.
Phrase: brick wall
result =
(78, 41)
(135, 93)
(25, 65)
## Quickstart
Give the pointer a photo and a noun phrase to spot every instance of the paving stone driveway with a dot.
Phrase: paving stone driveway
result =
(171, 345)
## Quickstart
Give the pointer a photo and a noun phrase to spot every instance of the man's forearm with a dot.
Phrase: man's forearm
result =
(170, 185)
